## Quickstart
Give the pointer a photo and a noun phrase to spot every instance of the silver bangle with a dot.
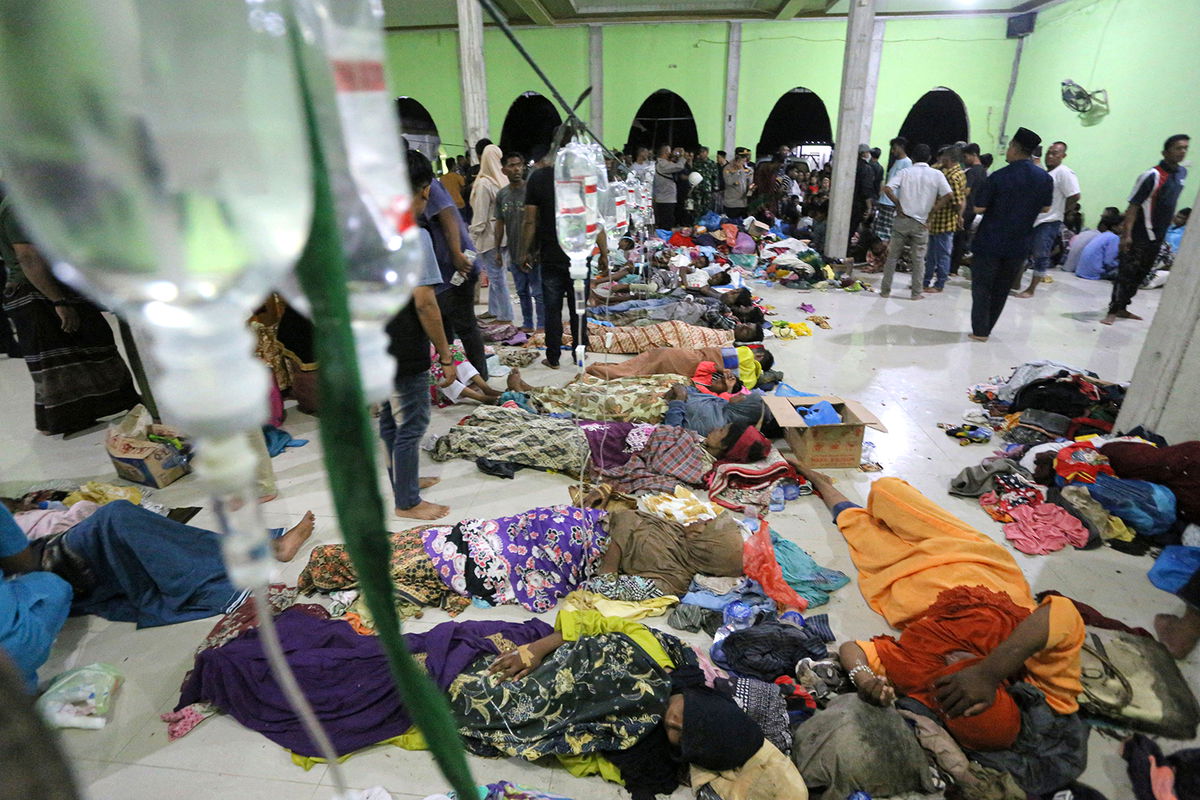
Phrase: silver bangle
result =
(861, 668)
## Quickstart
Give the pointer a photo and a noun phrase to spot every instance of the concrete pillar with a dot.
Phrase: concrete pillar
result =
(473, 76)
(1166, 380)
(853, 103)
(596, 80)
(877, 36)
(733, 70)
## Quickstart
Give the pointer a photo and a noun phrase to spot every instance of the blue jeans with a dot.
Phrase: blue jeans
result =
(529, 292)
(1044, 237)
(402, 423)
(39, 603)
(937, 259)
(499, 303)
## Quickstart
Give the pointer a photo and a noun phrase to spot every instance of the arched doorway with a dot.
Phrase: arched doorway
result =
(418, 127)
(664, 118)
(529, 125)
(798, 118)
(939, 118)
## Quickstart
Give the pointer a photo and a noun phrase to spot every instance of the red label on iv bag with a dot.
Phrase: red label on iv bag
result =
(359, 76)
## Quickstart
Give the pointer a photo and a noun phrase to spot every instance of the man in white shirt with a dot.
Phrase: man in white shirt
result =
(1048, 226)
(915, 192)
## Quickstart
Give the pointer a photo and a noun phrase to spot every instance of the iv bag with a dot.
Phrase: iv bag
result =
(156, 150)
(577, 216)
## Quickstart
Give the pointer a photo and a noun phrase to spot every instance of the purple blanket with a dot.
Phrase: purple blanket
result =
(344, 675)
(607, 442)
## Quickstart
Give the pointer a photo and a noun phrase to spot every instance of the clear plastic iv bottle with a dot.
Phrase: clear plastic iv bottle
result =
(165, 173)
(577, 217)
(620, 196)
(368, 169)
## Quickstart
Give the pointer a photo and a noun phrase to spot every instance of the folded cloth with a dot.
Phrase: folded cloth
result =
(978, 480)
(747, 591)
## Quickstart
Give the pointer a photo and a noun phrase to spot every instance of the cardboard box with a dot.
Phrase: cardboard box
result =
(824, 446)
(139, 460)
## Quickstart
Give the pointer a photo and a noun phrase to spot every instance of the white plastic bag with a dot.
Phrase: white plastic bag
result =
(80, 698)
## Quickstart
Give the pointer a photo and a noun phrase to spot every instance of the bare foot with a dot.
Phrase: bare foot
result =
(426, 483)
(1178, 635)
(1127, 315)
(918, 297)
(932, 290)
(1109, 320)
(975, 338)
(288, 545)
(424, 510)
(1025, 295)
(516, 383)
(266, 498)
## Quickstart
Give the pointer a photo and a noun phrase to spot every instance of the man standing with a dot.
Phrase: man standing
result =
(453, 182)
(915, 193)
(643, 167)
(510, 218)
(877, 171)
(864, 197)
(703, 192)
(666, 191)
(945, 222)
(456, 295)
(1010, 201)
(976, 174)
(404, 419)
(1151, 209)
(1048, 226)
(885, 209)
(738, 177)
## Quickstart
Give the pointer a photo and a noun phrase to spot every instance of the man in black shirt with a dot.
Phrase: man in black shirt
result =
(404, 419)
(540, 246)
(976, 174)
(864, 191)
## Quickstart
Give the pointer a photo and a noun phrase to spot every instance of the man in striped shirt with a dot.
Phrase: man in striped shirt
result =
(1151, 208)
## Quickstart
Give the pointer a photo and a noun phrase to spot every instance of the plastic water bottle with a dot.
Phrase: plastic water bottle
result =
(792, 618)
(738, 615)
(620, 195)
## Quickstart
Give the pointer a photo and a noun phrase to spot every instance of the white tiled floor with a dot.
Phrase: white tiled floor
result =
(909, 362)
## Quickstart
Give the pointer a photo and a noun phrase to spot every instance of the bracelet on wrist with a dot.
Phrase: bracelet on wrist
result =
(860, 668)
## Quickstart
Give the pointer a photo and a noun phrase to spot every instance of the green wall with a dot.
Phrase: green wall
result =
(561, 52)
(424, 65)
(1146, 54)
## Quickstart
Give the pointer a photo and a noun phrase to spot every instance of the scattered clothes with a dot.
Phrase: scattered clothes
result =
(741, 486)
(1174, 567)
(811, 581)
(682, 506)
(532, 558)
(1148, 508)
(415, 581)
(978, 480)
(518, 437)
(743, 590)
(1051, 749)
(769, 650)
(607, 442)
(1044, 528)
(767, 775)
(1110, 527)
(1028, 373)
(670, 554)
(581, 600)
(628, 588)
(1094, 534)
(1176, 467)
(508, 791)
(759, 563)
(1081, 462)
(236, 679)
(279, 440)
(967, 433)
(101, 493)
(763, 703)
(853, 746)
(693, 618)
(819, 321)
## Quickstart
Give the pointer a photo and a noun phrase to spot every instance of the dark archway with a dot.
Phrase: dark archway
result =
(664, 118)
(799, 117)
(418, 127)
(529, 125)
(939, 118)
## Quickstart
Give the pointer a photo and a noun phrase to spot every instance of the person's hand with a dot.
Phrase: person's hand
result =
(68, 316)
(1126, 241)
(462, 263)
(512, 666)
(874, 689)
(676, 392)
(450, 373)
(968, 692)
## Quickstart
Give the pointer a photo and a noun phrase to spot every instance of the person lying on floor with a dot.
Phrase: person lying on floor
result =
(632, 340)
(468, 383)
(969, 625)
(594, 691)
(750, 362)
(715, 315)
(121, 562)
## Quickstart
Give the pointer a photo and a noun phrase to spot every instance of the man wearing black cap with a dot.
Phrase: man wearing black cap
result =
(1010, 200)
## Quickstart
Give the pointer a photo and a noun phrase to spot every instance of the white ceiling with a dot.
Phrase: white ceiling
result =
(442, 13)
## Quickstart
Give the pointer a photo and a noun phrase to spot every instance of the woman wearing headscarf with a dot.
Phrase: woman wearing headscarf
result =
(483, 230)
